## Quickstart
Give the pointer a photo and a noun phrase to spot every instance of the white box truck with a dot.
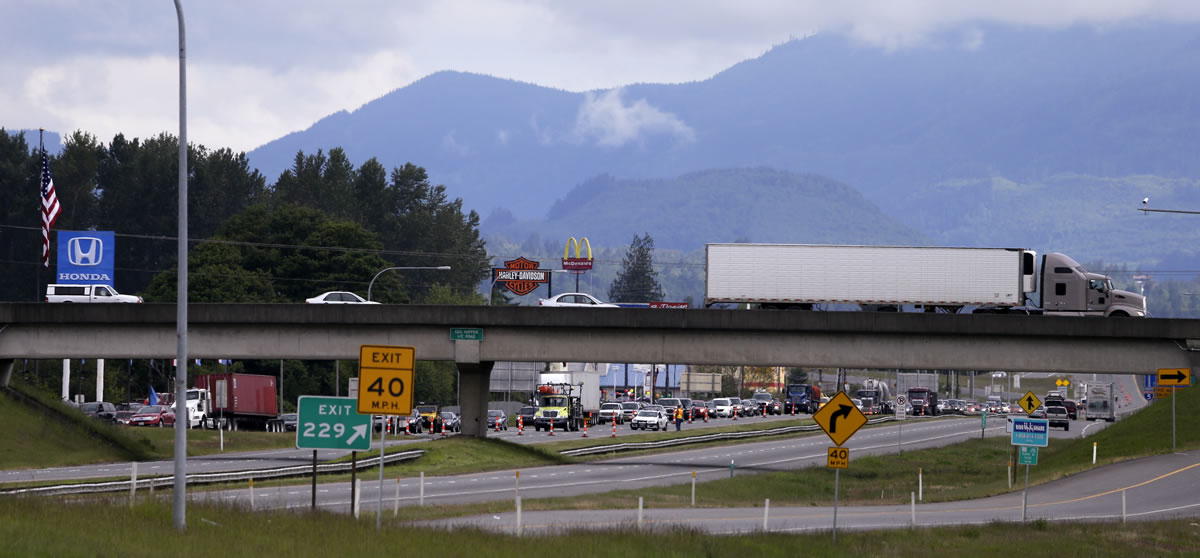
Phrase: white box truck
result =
(934, 279)
(1101, 402)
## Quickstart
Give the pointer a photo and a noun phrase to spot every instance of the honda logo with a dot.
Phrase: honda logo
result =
(85, 250)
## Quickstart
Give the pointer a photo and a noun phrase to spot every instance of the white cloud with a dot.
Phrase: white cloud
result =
(259, 70)
(502, 137)
(605, 118)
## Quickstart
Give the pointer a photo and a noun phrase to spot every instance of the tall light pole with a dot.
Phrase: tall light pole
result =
(438, 268)
(181, 298)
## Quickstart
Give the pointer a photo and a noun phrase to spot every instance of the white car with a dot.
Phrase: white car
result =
(724, 407)
(582, 300)
(647, 419)
(338, 297)
(610, 412)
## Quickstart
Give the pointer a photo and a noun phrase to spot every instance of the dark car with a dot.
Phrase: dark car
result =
(101, 410)
(450, 421)
(497, 419)
(289, 420)
(527, 414)
(1072, 409)
(629, 409)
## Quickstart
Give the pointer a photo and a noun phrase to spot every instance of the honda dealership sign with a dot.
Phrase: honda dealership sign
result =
(86, 257)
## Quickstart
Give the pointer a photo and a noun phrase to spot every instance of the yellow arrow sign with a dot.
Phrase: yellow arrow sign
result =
(1174, 376)
(839, 418)
(1029, 402)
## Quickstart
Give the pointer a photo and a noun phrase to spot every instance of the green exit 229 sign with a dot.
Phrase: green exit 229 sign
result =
(466, 334)
(331, 423)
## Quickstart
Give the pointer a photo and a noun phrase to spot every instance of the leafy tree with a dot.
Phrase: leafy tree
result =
(797, 376)
(637, 281)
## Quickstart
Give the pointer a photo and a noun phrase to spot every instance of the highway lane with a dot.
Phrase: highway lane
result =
(1158, 487)
(265, 459)
(1128, 400)
(633, 472)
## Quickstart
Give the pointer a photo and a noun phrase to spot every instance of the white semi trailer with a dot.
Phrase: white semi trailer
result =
(933, 279)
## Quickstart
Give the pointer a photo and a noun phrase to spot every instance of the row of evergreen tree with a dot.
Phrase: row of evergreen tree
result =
(324, 224)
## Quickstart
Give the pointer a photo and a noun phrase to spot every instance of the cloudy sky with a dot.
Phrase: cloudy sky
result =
(258, 69)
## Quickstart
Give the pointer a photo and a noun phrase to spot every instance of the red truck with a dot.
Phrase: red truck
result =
(245, 400)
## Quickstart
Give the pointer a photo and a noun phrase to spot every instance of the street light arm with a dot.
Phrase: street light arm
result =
(436, 268)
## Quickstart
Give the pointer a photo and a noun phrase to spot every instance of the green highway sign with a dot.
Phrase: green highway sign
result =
(466, 334)
(331, 423)
(1027, 455)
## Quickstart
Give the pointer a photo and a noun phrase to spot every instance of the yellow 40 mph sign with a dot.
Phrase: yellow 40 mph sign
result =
(385, 380)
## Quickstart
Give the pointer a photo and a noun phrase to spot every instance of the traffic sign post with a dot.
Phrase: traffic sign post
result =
(466, 334)
(385, 377)
(839, 418)
(838, 458)
(330, 423)
(1030, 432)
(1169, 379)
(1174, 376)
(901, 410)
(1029, 402)
(385, 380)
(1028, 455)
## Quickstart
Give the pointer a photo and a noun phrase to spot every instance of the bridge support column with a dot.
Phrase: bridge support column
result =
(6, 369)
(474, 382)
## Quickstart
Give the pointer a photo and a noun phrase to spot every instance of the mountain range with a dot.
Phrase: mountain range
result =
(991, 135)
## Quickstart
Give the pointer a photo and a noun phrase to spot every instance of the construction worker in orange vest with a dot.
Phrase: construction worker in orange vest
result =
(679, 417)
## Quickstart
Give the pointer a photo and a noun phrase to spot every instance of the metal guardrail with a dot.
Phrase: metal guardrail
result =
(213, 478)
(629, 446)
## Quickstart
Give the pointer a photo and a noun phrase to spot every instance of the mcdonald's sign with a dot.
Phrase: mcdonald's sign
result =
(577, 264)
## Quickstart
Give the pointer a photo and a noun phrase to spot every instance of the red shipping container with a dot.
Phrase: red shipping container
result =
(241, 394)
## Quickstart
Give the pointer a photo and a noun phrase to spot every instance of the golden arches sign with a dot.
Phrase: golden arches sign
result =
(577, 264)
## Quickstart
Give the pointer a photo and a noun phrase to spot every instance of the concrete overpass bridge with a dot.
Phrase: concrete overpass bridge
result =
(537, 334)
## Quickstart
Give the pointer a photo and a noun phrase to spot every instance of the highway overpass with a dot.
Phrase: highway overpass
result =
(537, 334)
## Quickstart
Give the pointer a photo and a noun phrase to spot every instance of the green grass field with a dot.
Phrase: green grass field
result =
(50, 527)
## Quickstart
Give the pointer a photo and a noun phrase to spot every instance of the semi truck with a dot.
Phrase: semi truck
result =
(894, 278)
(924, 401)
(876, 397)
(801, 398)
(243, 401)
(1101, 402)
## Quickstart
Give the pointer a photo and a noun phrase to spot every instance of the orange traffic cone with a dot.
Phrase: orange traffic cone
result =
(551, 428)
(443, 429)
(614, 435)
(585, 429)
(705, 415)
(520, 425)
(407, 427)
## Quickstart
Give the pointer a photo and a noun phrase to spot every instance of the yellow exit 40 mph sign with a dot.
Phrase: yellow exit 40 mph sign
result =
(385, 380)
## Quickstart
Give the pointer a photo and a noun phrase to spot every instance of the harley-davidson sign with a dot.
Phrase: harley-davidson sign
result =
(521, 276)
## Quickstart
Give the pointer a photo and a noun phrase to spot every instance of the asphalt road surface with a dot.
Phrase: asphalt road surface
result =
(1159, 487)
(630, 472)
(1128, 400)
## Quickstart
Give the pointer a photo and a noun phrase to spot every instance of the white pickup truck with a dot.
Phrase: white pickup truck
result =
(86, 293)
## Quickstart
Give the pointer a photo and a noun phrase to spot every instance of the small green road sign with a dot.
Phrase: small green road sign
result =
(1027, 455)
(331, 423)
(466, 334)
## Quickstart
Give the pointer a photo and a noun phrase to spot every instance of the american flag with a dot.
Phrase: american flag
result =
(50, 208)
